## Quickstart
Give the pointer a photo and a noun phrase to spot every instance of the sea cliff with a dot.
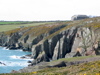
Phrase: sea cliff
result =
(55, 41)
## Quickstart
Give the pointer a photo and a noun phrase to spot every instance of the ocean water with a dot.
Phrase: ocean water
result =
(12, 60)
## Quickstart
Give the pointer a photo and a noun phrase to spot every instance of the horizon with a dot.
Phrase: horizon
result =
(46, 10)
(31, 21)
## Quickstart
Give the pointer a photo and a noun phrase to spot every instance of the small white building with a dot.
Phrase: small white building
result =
(79, 17)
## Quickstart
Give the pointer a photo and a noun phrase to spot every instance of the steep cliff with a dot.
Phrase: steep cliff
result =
(54, 41)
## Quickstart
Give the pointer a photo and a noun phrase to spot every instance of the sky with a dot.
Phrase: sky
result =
(46, 10)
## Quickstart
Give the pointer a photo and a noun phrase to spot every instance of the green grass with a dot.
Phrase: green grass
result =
(13, 22)
(20, 22)
(74, 58)
(14, 26)
(90, 68)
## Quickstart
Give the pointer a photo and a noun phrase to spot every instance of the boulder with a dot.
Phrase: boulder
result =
(29, 62)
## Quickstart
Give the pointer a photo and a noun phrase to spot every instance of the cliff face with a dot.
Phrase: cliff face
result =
(55, 41)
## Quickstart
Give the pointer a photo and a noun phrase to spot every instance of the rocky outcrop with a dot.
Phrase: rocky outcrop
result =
(70, 43)
(52, 42)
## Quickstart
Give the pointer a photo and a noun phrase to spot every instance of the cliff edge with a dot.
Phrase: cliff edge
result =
(55, 41)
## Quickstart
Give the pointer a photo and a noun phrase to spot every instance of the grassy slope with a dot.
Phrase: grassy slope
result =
(48, 26)
(14, 26)
(95, 24)
(90, 68)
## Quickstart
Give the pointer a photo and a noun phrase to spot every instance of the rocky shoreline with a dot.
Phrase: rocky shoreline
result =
(58, 64)
(55, 41)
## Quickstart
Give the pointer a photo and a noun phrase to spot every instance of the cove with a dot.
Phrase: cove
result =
(10, 60)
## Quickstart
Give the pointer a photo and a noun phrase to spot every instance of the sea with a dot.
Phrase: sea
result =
(10, 60)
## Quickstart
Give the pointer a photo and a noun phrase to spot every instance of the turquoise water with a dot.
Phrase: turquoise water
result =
(12, 60)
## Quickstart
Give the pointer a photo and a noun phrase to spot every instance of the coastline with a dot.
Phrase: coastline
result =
(51, 43)
(14, 60)
(59, 63)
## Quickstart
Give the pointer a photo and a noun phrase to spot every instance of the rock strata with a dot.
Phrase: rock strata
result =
(55, 41)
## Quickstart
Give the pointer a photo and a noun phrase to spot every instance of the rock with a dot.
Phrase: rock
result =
(29, 55)
(60, 64)
(29, 62)
(3, 63)
(56, 50)
(70, 55)
(56, 41)
(23, 57)
(13, 71)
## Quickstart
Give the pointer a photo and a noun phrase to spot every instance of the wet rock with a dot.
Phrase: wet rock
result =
(23, 57)
(29, 62)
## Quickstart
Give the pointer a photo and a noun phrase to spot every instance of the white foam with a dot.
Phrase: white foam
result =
(5, 48)
(28, 59)
(15, 57)
(18, 50)
(9, 63)
(19, 57)
(2, 65)
(18, 64)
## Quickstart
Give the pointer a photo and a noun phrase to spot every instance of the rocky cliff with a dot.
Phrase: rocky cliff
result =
(54, 41)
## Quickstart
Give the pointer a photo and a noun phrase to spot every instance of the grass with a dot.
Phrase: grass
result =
(14, 26)
(73, 58)
(90, 68)
(21, 22)
(14, 22)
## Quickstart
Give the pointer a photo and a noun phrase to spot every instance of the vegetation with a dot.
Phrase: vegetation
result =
(90, 68)
(48, 26)
(73, 59)
(22, 22)
(10, 26)
(36, 29)
(14, 22)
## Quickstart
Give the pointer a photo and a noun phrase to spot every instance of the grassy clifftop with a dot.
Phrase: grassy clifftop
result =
(47, 26)
(6, 26)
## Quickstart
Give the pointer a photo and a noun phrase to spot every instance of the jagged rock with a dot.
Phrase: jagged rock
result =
(42, 57)
(36, 50)
(26, 38)
(56, 52)
(52, 42)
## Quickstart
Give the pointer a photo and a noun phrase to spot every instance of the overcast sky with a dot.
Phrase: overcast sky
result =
(32, 10)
